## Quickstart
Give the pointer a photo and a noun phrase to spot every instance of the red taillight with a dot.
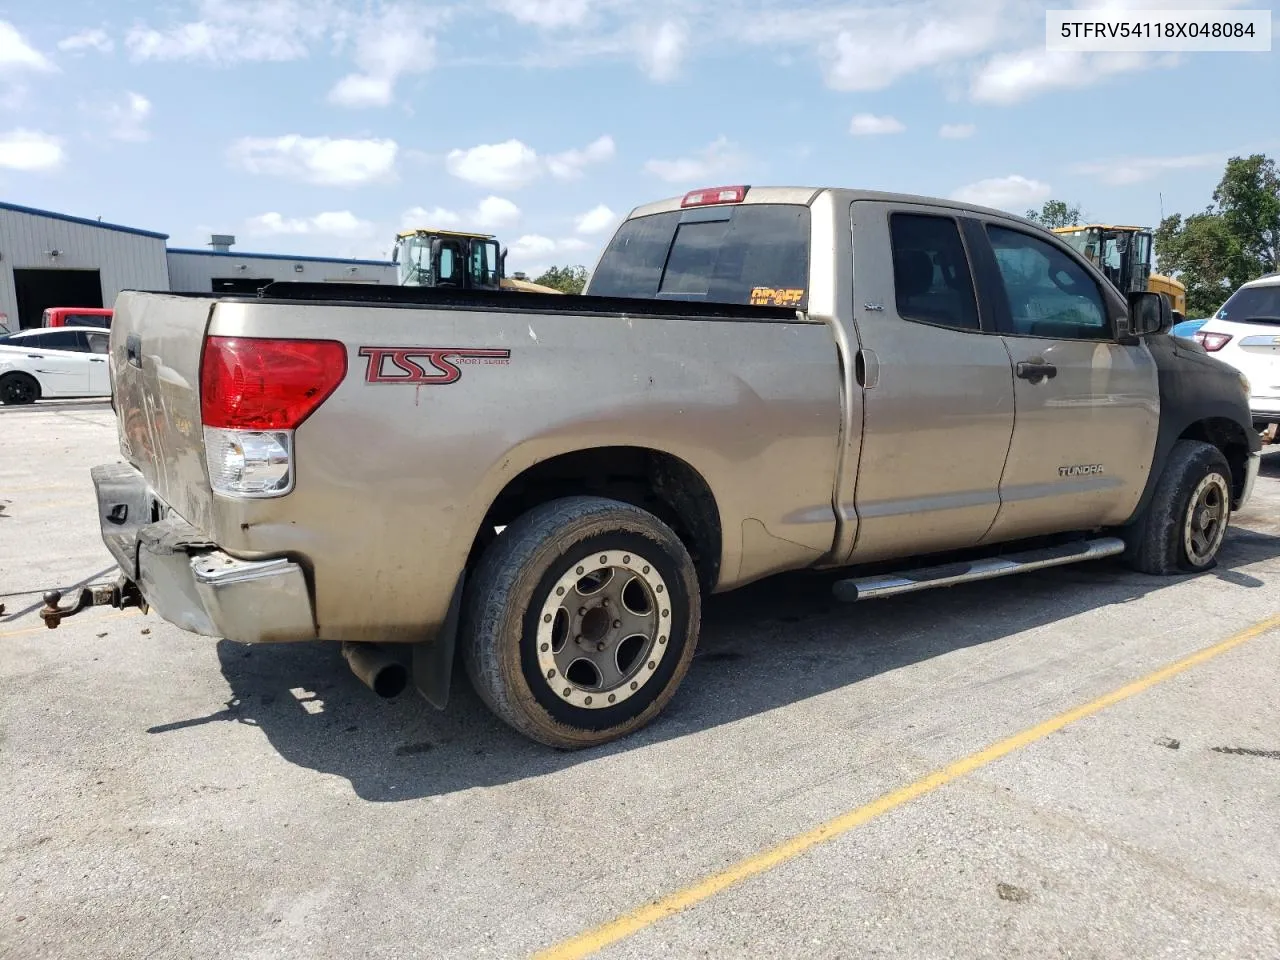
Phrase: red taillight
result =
(261, 384)
(702, 198)
(1212, 341)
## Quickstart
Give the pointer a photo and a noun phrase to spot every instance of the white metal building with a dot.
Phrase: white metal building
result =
(53, 260)
(221, 270)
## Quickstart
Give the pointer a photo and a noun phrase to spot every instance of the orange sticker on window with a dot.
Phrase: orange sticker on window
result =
(769, 297)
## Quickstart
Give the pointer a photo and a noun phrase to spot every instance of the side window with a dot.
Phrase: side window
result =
(98, 342)
(57, 339)
(931, 278)
(1049, 294)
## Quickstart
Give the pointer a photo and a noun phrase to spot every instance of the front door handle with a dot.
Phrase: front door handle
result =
(35, 356)
(96, 360)
(1036, 370)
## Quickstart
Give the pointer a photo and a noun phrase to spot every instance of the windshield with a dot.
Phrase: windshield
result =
(413, 267)
(1256, 304)
(1083, 242)
(755, 254)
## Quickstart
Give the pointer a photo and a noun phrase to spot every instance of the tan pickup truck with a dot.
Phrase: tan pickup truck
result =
(755, 380)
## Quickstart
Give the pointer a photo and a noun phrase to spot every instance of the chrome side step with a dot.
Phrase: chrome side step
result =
(946, 575)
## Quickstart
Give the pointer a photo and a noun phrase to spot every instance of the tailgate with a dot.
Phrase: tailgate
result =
(156, 342)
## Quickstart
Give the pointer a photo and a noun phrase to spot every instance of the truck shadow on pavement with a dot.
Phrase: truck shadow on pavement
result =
(765, 646)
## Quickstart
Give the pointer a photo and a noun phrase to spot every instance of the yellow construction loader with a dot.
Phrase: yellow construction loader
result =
(1124, 255)
(456, 259)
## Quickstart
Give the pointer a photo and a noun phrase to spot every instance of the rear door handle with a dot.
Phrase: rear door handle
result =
(96, 360)
(35, 356)
(1036, 370)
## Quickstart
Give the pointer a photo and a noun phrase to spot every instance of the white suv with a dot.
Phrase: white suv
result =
(1245, 333)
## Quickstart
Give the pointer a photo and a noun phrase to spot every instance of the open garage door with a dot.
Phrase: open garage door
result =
(37, 290)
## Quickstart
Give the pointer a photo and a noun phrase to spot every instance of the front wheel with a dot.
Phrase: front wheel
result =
(581, 621)
(1184, 525)
(19, 388)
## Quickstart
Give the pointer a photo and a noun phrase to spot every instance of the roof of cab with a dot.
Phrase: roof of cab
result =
(807, 195)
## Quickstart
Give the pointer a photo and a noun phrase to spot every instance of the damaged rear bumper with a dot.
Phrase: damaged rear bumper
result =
(187, 579)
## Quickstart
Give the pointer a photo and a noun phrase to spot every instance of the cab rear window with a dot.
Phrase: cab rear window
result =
(751, 254)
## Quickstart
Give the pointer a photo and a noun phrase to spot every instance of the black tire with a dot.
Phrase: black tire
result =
(514, 589)
(1158, 542)
(19, 388)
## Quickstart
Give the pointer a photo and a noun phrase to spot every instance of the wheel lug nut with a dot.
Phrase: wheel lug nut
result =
(582, 611)
(617, 624)
(600, 648)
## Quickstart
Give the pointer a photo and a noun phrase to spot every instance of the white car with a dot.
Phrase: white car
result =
(54, 362)
(1245, 332)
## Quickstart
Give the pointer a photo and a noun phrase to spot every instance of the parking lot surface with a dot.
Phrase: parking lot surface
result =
(167, 795)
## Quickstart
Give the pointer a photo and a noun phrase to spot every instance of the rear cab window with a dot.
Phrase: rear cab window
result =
(750, 254)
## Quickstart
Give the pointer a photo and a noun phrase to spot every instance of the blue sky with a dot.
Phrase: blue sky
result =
(319, 128)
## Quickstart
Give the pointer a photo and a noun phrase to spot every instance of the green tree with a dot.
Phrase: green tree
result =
(1056, 213)
(1235, 240)
(1204, 254)
(1248, 197)
(565, 279)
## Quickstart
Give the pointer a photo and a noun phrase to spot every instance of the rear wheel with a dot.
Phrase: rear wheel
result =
(18, 388)
(1184, 525)
(581, 621)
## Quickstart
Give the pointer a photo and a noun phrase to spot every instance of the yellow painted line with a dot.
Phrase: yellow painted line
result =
(22, 631)
(597, 939)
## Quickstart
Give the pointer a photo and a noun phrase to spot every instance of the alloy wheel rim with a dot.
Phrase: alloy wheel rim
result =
(1205, 524)
(604, 629)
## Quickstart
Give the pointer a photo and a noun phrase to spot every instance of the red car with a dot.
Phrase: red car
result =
(76, 317)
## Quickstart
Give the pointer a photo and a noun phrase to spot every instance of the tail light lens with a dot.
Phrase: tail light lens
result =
(254, 393)
(1212, 342)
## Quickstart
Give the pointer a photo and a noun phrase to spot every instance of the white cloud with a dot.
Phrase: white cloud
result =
(320, 160)
(17, 54)
(871, 47)
(534, 253)
(494, 213)
(596, 220)
(126, 119)
(491, 213)
(546, 13)
(569, 165)
(94, 39)
(717, 158)
(1013, 193)
(509, 164)
(336, 223)
(1012, 77)
(869, 125)
(957, 131)
(1127, 170)
(418, 217)
(232, 31)
(396, 43)
(513, 163)
(30, 151)
(661, 49)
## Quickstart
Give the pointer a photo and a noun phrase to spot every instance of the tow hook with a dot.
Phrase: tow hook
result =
(120, 594)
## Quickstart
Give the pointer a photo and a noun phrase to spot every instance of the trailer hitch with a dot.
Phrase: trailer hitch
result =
(120, 594)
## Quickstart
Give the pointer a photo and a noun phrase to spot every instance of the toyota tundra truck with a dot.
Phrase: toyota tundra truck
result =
(755, 380)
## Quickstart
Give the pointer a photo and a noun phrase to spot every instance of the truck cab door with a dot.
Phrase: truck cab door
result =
(1087, 406)
(936, 381)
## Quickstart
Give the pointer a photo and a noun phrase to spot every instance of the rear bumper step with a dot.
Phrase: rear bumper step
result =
(946, 575)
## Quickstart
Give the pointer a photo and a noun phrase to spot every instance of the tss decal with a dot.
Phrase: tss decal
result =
(433, 365)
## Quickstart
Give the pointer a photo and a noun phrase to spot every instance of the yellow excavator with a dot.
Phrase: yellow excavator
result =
(1124, 254)
(456, 259)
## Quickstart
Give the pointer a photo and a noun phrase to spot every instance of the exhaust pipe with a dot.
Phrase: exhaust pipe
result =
(377, 670)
